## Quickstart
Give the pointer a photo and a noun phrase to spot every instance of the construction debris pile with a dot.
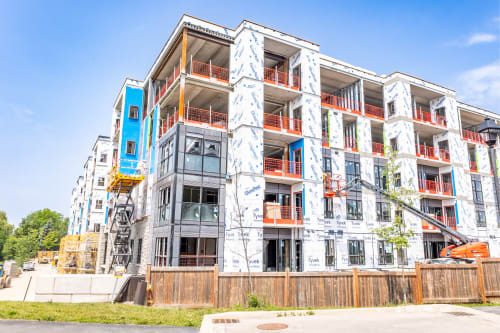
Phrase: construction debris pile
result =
(78, 254)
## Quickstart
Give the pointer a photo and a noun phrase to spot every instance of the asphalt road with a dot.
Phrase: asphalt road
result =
(22, 326)
(490, 309)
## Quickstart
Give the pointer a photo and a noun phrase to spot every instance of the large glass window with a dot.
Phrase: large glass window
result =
(356, 252)
(192, 157)
(477, 191)
(327, 164)
(385, 253)
(380, 177)
(211, 156)
(330, 252)
(198, 251)
(202, 155)
(354, 209)
(480, 218)
(352, 171)
(200, 204)
(164, 205)
(161, 252)
(167, 157)
(383, 212)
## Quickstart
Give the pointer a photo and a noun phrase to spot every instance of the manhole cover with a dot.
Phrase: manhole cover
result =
(272, 326)
(225, 321)
(458, 313)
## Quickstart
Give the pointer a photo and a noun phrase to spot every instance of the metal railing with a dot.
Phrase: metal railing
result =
(280, 123)
(325, 139)
(449, 221)
(444, 154)
(422, 116)
(472, 136)
(276, 214)
(282, 168)
(168, 123)
(202, 116)
(473, 166)
(374, 111)
(209, 71)
(426, 151)
(441, 121)
(378, 148)
(168, 82)
(435, 187)
(341, 103)
(350, 142)
(279, 78)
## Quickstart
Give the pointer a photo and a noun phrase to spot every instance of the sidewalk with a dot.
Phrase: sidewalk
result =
(413, 318)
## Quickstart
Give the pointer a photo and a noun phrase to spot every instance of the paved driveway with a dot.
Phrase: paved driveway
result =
(490, 309)
(18, 288)
(21, 326)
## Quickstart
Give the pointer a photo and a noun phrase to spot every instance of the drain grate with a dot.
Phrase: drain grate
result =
(225, 321)
(272, 326)
(460, 313)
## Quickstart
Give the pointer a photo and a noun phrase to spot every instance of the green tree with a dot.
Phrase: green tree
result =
(5, 231)
(397, 233)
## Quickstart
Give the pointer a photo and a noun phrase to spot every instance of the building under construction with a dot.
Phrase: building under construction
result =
(78, 254)
(239, 134)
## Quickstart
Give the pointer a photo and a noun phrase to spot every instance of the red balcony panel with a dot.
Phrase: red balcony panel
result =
(282, 168)
(449, 221)
(210, 71)
(295, 82)
(433, 187)
(472, 136)
(444, 154)
(280, 123)
(426, 151)
(276, 214)
(276, 77)
(473, 166)
(423, 116)
(117, 127)
(374, 111)
(377, 148)
(325, 140)
(350, 143)
(202, 116)
(340, 103)
(441, 121)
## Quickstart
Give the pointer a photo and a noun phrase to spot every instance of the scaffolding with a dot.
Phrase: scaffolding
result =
(68, 254)
(87, 256)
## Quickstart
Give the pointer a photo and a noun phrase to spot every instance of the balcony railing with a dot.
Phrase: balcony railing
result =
(441, 121)
(422, 116)
(202, 116)
(325, 140)
(276, 214)
(444, 155)
(340, 103)
(168, 123)
(426, 151)
(282, 124)
(434, 187)
(193, 211)
(472, 136)
(117, 127)
(194, 260)
(351, 143)
(278, 78)
(449, 221)
(377, 148)
(282, 168)
(210, 71)
(168, 83)
(473, 166)
(374, 111)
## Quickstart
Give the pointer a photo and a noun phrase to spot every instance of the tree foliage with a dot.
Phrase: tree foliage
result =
(5, 231)
(41, 230)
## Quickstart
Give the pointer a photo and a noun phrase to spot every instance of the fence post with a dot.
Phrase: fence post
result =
(355, 287)
(216, 286)
(418, 284)
(287, 287)
(480, 280)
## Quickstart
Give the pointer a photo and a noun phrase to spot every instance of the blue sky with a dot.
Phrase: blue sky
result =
(62, 64)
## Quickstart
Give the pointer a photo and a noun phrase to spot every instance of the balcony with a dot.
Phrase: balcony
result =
(351, 143)
(432, 153)
(472, 136)
(434, 187)
(325, 140)
(427, 118)
(449, 221)
(209, 71)
(340, 103)
(168, 123)
(169, 82)
(282, 124)
(117, 129)
(273, 76)
(282, 168)
(378, 149)
(374, 112)
(205, 117)
(194, 260)
(282, 215)
(473, 166)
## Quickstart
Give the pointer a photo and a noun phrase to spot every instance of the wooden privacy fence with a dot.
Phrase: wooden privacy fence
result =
(207, 287)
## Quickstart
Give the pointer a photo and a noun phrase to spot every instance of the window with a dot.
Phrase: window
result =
(356, 252)
(192, 157)
(399, 214)
(139, 250)
(103, 158)
(327, 164)
(394, 144)
(211, 156)
(328, 208)
(100, 181)
(131, 257)
(480, 218)
(477, 191)
(402, 257)
(98, 204)
(391, 107)
(330, 252)
(164, 205)
(354, 209)
(397, 179)
(196, 207)
(130, 150)
(167, 157)
(197, 148)
(383, 212)
(385, 256)
(160, 252)
(352, 171)
(133, 112)
(380, 177)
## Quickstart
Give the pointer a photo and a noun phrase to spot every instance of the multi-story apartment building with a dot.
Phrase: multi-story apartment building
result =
(238, 133)
(89, 208)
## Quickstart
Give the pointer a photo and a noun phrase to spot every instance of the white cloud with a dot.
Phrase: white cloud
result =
(481, 38)
(481, 86)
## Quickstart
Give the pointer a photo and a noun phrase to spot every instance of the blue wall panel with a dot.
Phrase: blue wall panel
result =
(131, 130)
